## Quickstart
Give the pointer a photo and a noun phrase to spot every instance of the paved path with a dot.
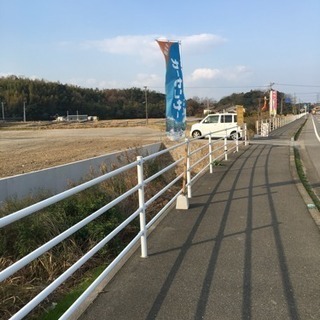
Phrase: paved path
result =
(246, 249)
(309, 146)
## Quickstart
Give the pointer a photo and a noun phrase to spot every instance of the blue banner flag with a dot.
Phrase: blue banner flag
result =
(175, 100)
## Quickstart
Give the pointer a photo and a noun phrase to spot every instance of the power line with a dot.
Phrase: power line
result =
(297, 85)
(306, 92)
(218, 87)
(239, 87)
(227, 87)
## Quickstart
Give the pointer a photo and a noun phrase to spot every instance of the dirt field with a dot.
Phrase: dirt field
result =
(34, 146)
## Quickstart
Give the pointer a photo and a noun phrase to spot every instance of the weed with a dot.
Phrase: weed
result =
(40, 227)
(304, 180)
(217, 163)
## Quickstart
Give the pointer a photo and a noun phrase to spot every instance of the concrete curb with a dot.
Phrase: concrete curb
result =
(100, 288)
(314, 212)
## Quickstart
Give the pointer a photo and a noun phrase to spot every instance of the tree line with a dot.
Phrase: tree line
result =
(44, 100)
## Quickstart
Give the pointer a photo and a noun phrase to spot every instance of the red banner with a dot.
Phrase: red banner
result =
(273, 104)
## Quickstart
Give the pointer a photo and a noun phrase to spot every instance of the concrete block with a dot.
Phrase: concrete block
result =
(182, 202)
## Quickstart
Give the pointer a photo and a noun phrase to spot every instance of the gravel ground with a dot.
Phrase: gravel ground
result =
(25, 149)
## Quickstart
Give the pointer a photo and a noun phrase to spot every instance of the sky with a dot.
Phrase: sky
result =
(227, 46)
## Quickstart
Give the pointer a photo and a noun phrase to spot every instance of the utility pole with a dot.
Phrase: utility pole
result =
(24, 110)
(146, 102)
(259, 108)
(2, 107)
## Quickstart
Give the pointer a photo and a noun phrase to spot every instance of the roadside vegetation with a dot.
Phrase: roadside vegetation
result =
(24, 236)
(301, 171)
(45, 101)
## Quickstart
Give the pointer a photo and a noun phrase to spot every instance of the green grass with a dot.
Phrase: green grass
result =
(217, 163)
(301, 171)
(304, 180)
(297, 134)
(62, 305)
(38, 228)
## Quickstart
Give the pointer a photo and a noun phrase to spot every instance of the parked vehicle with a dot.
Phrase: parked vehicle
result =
(219, 125)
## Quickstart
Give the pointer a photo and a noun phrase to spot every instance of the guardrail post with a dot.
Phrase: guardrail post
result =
(245, 134)
(237, 141)
(210, 154)
(143, 229)
(188, 170)
(182, 199)
(225, 148)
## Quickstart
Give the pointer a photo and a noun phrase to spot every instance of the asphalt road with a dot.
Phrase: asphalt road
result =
(309, 144)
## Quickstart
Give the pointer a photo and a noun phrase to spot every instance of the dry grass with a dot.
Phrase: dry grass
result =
(29, 281)
(50, 125)
(26, 283)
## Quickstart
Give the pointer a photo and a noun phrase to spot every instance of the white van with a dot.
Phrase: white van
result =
(219, 124)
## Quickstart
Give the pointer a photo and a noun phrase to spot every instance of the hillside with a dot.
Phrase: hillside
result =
(42, 100)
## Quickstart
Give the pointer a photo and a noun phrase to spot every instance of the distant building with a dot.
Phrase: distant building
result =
(93, 118)
(77, 117)
(207, 111)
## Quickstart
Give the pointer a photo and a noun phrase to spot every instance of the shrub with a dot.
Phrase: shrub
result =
(24, 236)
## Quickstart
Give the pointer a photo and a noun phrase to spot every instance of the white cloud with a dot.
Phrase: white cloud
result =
(143, 52)
(204, 73)
(201, 42)
(128, 45)
(230, 74)
(149, 80)
(144, 45)
(236, 73)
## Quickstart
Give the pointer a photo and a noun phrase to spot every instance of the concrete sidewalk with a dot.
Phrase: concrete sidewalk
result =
(246, 249)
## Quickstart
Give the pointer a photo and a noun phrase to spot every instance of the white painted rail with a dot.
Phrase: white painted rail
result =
(199, 155)
(265, 126)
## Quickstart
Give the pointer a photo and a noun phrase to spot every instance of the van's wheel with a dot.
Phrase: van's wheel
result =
(196, 134)
(234, 135)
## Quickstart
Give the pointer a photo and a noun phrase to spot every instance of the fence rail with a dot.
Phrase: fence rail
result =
(265, 126)
(197, 155)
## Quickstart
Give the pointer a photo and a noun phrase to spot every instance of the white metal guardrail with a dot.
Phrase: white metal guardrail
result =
(265, 126)
(198, 157)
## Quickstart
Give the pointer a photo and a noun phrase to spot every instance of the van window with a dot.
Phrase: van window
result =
(212, 119)
(227, 118)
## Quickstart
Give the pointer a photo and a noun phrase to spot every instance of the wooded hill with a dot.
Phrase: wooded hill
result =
(45, 100)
